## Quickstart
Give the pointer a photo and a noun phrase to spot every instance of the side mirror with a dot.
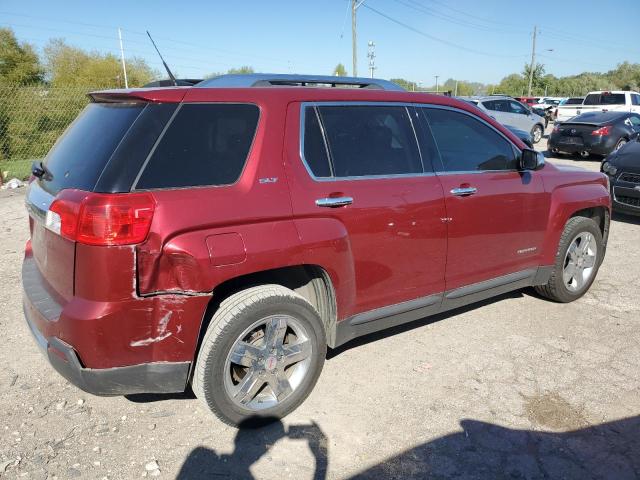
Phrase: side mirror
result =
(531, 160)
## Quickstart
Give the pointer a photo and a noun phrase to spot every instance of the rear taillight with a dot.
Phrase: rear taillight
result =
(556, 128)
(101, 219)
(602, 131)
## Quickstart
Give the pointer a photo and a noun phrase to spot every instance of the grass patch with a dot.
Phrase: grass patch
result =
(20, 169)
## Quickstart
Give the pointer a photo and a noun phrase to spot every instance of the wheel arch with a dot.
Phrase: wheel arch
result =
(312, 282)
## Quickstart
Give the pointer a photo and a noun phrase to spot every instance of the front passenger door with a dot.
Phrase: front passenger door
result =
(497, 216)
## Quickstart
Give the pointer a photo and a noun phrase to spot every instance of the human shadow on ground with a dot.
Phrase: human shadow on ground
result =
(481, 450)
(486, 451)
(251, 443)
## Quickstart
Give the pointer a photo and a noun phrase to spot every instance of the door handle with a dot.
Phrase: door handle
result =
(333, 202)
(464, 191)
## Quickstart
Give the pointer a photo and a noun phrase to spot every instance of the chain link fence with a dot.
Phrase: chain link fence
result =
(31, 120)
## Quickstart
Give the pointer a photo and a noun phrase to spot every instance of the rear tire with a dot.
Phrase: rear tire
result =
(261, 355)
(622, 142)
(536, 133)
(580, 253)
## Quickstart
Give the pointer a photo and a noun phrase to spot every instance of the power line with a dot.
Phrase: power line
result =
(451, 19)
(440, 40)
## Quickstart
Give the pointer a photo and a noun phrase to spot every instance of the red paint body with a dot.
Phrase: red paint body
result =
(392, 245)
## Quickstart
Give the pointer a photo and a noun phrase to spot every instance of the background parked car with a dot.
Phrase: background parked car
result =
(567, 109)
(509, 111)
(595, 132)
(528, 100)
(522, 135)
(623, 169)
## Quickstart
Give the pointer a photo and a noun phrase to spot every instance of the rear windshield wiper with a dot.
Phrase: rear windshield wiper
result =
(38, 169)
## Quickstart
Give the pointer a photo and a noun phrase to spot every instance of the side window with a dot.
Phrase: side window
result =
(490, 105)
(467, 144)
(370, 140)
(635, 120)
(635, 99)
(315, 149)
(516, 107)
(205, 144)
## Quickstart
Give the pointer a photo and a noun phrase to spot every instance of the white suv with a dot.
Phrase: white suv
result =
(511, 113)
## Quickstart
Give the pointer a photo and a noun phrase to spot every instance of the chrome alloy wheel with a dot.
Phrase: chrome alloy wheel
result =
(267, 363)
(537, 134)
(580, 261)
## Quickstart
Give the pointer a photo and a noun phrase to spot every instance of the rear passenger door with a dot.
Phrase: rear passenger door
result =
(497, 215)
(363, 194)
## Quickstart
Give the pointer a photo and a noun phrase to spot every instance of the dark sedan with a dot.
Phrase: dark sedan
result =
(623, 169)
(597, 133)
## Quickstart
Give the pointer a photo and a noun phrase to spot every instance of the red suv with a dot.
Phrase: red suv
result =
(223, 235)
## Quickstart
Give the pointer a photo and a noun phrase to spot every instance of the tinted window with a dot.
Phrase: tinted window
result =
(370, 140)
(466, 144)
(635, 99)
(205, 144)
(605, 99)
(80, 155)
(491, 105)
(315, 150)
(574, 101)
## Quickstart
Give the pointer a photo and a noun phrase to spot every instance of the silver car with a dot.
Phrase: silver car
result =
(511, 113)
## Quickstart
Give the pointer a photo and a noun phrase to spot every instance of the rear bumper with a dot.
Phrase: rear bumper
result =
(132, 345)
(158, 377)
(596, 146)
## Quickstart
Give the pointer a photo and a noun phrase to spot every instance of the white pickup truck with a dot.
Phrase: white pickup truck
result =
(604, 101)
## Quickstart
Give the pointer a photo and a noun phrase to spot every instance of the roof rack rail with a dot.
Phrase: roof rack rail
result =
(285, 80)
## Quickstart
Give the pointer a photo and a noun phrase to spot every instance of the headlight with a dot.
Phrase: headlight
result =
(609, 169)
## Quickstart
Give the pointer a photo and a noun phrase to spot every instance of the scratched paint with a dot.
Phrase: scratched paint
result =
(162, 331)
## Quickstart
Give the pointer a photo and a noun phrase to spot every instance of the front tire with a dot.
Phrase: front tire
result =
(580, 253)
(621, 143)
(261, 356)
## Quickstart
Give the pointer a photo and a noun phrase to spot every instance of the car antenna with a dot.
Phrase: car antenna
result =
(166, 67)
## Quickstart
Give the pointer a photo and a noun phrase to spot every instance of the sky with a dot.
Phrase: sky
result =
(414, 39)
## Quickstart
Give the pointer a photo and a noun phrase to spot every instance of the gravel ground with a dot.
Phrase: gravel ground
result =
(516, 387)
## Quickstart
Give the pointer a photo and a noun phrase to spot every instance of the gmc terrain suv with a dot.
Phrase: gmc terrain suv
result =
(223, 235)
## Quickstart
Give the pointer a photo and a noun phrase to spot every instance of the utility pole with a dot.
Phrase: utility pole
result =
(455, 94)
(124, 67)
(371, 55)
(355, 4)
(437, 76)
(533, 59)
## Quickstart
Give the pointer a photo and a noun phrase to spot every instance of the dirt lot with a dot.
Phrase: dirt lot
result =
(516, 387)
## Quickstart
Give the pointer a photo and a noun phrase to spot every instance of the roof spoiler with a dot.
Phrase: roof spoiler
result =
(135, 95)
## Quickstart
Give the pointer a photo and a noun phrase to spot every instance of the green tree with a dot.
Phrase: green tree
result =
(243, 69)
(340, 71)
(72, 66)
(406, 84)
(19, 63)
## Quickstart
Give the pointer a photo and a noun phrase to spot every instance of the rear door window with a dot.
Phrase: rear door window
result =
(605, 99)
(205, 145)
(79, 157)
(315, 148)
(466, 144)
(366, 140)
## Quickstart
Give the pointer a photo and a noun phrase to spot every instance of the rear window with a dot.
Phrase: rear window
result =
(205, 145)
(574, 101)
(605, 99)
(82, 152)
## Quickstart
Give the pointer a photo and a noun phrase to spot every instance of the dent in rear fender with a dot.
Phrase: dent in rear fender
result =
(565, 201)
(198, 261)
(326, 243)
